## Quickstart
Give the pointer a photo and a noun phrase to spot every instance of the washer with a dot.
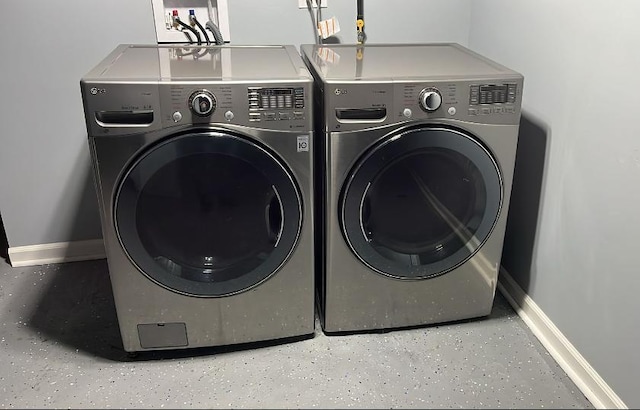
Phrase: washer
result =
(415, 171)
(203, 166)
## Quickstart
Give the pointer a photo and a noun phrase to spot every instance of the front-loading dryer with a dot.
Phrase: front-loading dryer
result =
(203, 168)
(415, 159)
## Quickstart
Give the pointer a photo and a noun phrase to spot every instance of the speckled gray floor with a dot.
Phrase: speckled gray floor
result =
(61, 348)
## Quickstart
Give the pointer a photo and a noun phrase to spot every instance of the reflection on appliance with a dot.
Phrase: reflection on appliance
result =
(193, 62)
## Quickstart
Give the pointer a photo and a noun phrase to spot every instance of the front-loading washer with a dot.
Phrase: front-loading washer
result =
(415, 159)
(203, 168)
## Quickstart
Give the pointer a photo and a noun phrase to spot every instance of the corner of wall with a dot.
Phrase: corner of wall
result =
(590, 383)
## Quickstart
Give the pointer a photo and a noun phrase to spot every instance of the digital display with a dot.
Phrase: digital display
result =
(276, 91)
(276, 98)
(275, 102)
(492, 94)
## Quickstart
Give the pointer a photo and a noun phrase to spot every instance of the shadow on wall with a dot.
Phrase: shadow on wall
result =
(522, 222)
(4, 242)
(78, 209)
(86, 225)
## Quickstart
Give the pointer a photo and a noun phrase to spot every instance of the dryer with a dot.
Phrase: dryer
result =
(415, 163)
(203, 167)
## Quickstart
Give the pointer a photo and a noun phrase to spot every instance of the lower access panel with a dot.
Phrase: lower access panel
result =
(159, 335)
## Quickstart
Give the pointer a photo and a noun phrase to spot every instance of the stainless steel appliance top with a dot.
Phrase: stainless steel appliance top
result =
(377, 62)
(168, 63)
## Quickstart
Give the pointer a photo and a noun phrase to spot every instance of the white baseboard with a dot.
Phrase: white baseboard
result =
(58, 252)
(570, 360)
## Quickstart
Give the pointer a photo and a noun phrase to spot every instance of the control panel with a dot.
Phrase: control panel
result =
(280, 108)
(493, 102)
(118, 108)
(274, 104)
(352, 105)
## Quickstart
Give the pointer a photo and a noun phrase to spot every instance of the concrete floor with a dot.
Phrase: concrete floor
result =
(61, 348)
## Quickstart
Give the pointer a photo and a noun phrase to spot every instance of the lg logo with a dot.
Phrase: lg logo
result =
(340, 91)
(95, 91)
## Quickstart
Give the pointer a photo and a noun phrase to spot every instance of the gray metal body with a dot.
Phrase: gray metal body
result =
(151, 78)
(352, 295)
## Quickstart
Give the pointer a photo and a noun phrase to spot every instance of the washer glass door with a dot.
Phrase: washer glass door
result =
(208, 214)
(421, 202)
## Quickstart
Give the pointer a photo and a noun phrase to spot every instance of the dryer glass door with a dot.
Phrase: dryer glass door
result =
(421, 202)
(208, 214)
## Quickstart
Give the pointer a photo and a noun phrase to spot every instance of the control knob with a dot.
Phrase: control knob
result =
(202, 103)
(430, 99)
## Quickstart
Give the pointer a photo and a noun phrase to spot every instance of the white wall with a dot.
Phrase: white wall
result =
(404, 21)
(414, 21)
(581, 63)
(46, 191)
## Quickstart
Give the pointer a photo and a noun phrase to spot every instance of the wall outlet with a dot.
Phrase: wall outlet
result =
(303, 3)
